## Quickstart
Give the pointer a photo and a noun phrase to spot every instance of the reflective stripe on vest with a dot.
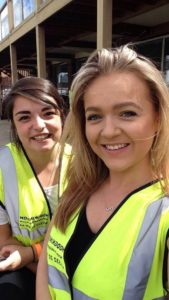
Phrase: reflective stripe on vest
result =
(136, 281)
(11, 194)
(79, 295)
(58, 280)
(140, 264)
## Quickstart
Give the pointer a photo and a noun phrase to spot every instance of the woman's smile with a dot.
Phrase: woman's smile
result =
(115, 147)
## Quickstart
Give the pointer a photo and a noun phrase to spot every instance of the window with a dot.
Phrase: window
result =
(17, 12)
(4, 22)
(63, 83)
(28, 7)
(2, 2)
(22, 9)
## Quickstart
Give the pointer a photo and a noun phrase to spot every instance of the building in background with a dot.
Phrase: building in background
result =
(52, 38)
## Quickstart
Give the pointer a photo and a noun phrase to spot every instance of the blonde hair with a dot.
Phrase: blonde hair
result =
(86, 171)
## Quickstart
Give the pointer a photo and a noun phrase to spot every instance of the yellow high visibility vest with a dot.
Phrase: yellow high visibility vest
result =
(125, 259)
(22, 195)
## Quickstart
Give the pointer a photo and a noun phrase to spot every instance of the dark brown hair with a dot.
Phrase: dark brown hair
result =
(35, 89)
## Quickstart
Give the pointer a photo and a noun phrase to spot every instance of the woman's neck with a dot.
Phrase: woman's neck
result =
(41, 160)
(46, 166)
(131, 179)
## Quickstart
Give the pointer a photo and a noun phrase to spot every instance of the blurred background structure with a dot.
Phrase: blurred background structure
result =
(52, 38)
(4, 132)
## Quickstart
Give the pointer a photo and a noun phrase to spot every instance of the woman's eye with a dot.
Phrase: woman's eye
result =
(128, 114)
(24, 118)
(50, 113)
(93, 117)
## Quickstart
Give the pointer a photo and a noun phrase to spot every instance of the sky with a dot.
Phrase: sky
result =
(2, 2)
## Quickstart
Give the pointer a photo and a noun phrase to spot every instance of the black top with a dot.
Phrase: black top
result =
(78, 244)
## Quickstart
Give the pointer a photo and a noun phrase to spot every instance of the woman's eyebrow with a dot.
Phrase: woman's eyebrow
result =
(116, 106)
(22, 112)
(92, 108)
(48, 107)
(28, 112)
(127, 104)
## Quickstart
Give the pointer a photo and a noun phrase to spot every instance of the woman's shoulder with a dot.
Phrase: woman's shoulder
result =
(6, 149)
(11, 150)
(11, 146)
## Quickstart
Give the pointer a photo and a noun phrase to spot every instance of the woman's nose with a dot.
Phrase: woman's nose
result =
(111, 128)
(39, 123)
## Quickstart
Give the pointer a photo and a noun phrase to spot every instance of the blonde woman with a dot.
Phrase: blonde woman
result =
(108, 237)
